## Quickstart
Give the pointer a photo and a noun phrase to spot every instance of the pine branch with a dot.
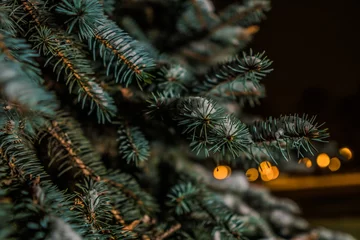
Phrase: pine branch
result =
(252, 11)
(288, 132)
(119, 51)
(129, 188)
(68, 145)
(250, 67)
(38, 203)
(174, 80)
(6, 24)
(93, 203)
(17, 88)
(70, 61)
(206, 125)
(240, 92)
(132, 144)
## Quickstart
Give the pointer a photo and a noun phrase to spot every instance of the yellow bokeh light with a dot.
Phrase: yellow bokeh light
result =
(334, 164)
(308, 163)
(265, 169)
(346, 152)
(229, 171)
(265, 177)
(264, 165)
(275, 172)
(323, 160)
(221, 172)
(252, 174)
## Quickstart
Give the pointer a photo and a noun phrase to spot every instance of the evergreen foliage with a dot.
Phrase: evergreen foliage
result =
(161, 82)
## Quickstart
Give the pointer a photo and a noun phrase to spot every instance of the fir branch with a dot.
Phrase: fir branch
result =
(19, 89)
(187, 197)
(129, 188)
(249, 13)
(248, 68)
(38, 202)
(6, 22)
(108, 6)
(68, 145)
(241, 92)
(118, 50)
(70, 61)
(198, 15)
(231, 136)
(85, 15)
(121, 54)
(253, 9)
(18, 51)
(132, 144)
(174, 80)
(169, 232)
(288, 132)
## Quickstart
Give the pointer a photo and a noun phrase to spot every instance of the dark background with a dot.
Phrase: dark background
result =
(315, 49)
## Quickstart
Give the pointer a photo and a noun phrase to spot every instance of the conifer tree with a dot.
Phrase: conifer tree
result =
(115, 113)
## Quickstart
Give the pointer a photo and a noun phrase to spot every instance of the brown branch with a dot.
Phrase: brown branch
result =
(66, 143)
(108, 45)
(169, 232)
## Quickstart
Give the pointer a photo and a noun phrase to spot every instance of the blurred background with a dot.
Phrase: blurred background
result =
(315, 49)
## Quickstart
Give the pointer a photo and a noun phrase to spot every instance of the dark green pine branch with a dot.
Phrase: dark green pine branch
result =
(240, 92)
(19, 51)
(133, 145)
(70, 62)
(286, 133)
(243, 15)
(205, 124)
(185, 198)
(249, 67)
(40, 209)
(65, 54)
(120, 53)
(174, 80)
(70, 151)
(6, 23)
(18, 88)
(93, 203)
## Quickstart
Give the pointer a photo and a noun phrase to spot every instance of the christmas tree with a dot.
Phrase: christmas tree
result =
(117, 115)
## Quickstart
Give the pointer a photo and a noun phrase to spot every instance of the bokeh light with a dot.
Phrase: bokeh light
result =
(346, 152)
(221, 172)
(265, 169)
(334, 164)
(252, 174)
(306, 161)
(275, 172)
(265, 177)
(323, 160)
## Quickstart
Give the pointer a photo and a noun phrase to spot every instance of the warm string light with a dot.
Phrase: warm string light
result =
(346, 152)
(323, 160)
(265, 170)
(222, 172)
(252, 174)
(334, 164)
(306, 161)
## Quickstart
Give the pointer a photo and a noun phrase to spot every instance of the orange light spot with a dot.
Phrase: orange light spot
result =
(334, 164)
(275, 172)
(252, 174)
(323, 160)
(221, 172)
(346, 152)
